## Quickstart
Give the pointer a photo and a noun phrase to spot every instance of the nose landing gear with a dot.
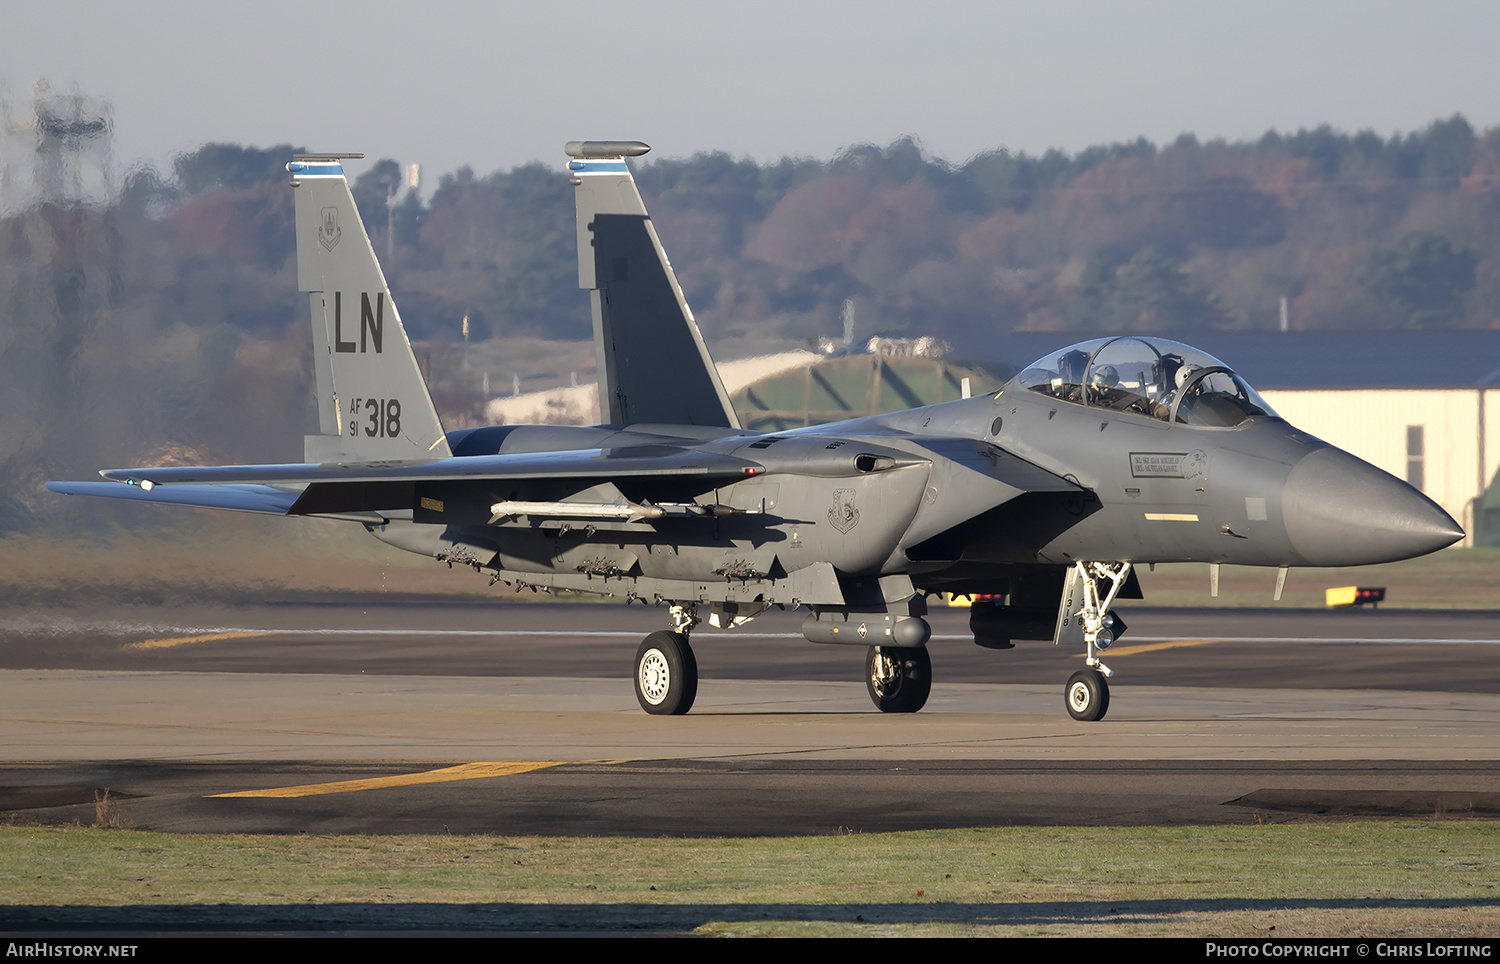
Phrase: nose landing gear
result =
(1087, 692)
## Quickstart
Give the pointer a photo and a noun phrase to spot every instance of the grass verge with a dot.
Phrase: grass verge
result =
(1430, 879)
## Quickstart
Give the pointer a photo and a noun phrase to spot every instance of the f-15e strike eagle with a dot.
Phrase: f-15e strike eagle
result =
(1106, 455)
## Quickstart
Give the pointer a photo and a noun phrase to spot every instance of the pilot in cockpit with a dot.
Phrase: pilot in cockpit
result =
(1104, 390)
(1175, 374)
(1167, 367)
(1151, 377)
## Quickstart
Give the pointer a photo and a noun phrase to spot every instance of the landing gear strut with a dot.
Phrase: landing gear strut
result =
(1087, 692)
(666, 672)
(898, 678)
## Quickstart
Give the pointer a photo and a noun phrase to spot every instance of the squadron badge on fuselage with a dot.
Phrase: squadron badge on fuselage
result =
(843, 516)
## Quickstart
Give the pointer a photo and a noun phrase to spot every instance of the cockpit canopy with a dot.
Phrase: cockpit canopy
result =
(1153, 377)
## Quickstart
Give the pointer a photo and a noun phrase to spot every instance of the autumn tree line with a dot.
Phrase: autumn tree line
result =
(167, 324)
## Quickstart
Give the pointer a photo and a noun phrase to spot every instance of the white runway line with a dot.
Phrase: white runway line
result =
(36, 627)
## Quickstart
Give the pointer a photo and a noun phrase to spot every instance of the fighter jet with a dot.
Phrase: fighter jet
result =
(1043, 497)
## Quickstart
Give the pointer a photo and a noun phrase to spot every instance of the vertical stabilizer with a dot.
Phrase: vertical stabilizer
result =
(653, 365)
(372, 402)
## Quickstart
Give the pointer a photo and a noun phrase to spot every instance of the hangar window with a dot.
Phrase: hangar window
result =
(1416, 446)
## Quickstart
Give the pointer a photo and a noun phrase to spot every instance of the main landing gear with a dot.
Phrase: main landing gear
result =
(1087, 692)
(666, 673)
(899, 678)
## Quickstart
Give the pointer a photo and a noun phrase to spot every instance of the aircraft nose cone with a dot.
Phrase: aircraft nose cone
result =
(1342, 511)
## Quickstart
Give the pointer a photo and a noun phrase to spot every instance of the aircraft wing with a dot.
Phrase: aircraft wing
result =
(569, 464)
(245, 498)
(352, 490)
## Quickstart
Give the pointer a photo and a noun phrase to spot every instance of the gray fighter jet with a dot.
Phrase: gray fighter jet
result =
(1101, 457)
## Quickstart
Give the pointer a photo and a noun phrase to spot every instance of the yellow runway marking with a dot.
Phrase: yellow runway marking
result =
(1153, 647)
(188, 640)
(464, 771)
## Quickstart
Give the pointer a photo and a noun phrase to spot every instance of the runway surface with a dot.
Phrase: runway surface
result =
(375, 714)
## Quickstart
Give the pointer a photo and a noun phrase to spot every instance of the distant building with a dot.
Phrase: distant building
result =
(579, 404)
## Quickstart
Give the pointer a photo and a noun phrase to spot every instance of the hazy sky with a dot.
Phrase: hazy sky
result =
(494, 85)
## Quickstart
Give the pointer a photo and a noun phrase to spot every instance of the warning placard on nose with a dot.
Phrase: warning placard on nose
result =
(1166, 465)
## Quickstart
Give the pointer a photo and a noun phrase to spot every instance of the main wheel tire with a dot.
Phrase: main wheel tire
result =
(898, 679)
(1087, 695)
(666, 674)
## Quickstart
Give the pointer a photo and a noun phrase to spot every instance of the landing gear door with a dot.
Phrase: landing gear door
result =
(1070, 612)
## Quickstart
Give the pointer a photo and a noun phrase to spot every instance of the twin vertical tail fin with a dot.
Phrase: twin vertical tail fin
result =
(373, 404)
(653, 365)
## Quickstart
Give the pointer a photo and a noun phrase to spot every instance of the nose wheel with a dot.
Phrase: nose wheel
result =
(899, 679)
(1087, 695)
(666, 674)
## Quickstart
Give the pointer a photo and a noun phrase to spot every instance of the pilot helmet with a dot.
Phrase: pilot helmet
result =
(1104, 376)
